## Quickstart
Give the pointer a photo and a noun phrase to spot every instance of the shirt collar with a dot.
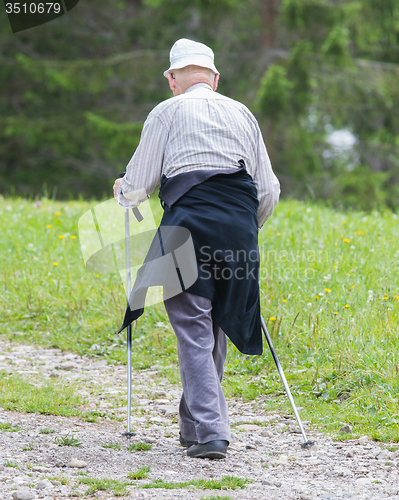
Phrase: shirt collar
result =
(198, 86)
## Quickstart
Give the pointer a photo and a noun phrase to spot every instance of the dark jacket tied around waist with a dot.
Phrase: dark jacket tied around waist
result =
(221, 215)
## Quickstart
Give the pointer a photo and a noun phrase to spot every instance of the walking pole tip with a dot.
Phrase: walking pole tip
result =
(308, 444)
(129, 434)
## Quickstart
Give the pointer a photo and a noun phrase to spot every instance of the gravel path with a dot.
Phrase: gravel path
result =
(265, 449)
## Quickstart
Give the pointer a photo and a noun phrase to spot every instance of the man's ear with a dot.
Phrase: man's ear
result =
(172, 82)
(215, 82)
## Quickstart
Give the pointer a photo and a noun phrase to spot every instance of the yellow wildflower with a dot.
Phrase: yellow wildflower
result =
(57, 214)
(49, 226)
(55, 264)
(346, 240)
(73, 237)
(272, 318)
(61, 236)
(327, 290)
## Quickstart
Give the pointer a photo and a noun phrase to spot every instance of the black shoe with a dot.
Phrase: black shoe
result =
(212, 449)
(185, 443)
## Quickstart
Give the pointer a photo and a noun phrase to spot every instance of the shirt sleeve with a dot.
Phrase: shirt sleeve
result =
(266, 183)
(144, 170)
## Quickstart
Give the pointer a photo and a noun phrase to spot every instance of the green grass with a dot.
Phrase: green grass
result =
(28, 448)
(336, 345)
(67, 440)
(12, 464)
(61, 479)
(141, 473)
(17, 394)
(139, 447)
(46, 431)
(225, 483)
(119, 488)
(7, 427)
(113, 446)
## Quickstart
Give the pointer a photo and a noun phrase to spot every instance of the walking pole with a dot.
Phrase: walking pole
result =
(128, 434)
(306, 443)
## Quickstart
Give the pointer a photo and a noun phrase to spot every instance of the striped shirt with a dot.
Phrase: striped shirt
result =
(199, 130)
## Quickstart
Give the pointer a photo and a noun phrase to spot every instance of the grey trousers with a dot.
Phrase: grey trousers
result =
(202, 348)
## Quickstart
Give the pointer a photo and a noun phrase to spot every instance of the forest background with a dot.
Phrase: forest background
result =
(321, 76)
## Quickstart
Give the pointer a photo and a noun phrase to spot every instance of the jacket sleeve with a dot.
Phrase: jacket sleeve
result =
(266, 183)
(144, 170)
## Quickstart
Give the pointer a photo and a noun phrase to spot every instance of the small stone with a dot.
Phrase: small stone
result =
(248, 427)
(169, 410)
(268, 434)
(23, 494)
(250, 447)
(42, 485)
(59, 464)
(346, 428)
(39, 468)
(265, 482)
(68, 366)
(363, 440)
(362, 481)
(79, 464)
(383, 455)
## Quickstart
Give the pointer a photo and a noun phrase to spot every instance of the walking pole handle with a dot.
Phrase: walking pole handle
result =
(135, 210)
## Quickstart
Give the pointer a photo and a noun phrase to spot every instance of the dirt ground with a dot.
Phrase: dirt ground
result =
(265, 446)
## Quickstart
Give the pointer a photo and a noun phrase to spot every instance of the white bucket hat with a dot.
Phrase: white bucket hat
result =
(187, 52)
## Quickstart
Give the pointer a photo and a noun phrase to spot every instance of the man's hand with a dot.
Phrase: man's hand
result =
(117, 183)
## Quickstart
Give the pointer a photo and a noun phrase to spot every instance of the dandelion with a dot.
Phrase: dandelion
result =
(61, 236)
(346, 240)
(327, 290)
(344, 222)
(384, 298)
(272, 318)
(348, 274)
(284, 300)
(57, 214)
(49, 226)
(278, 234)
(317, 297)
(55, 264)
(347, 305)
(335, 312)
(335, 267)
(396, 297)
(96, 275)
(73, 237)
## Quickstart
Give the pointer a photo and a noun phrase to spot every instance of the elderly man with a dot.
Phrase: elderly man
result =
(207, 152)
